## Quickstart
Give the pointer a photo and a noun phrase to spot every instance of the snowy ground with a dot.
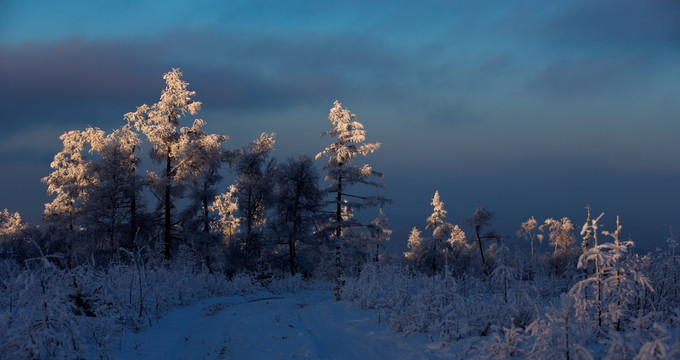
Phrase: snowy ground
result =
(265, 326)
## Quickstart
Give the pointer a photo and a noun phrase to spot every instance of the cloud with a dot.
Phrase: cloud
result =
(619, 23)
(600, 26)
(43, 140)
(55, 79)
(590, 75)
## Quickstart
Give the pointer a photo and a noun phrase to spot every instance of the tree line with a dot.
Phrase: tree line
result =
(275, 214)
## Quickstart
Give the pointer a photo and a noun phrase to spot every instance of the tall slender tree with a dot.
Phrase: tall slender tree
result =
(378, 234)
(227, 222)
(255, 174)
(441, 230)
(298, 200)
(68, 182)
(160, 123)
(203, 156)
(341, 171)
(114, 197)
(480, 219)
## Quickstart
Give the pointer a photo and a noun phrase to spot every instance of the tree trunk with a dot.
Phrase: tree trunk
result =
(206, 217)
(133, 215)
(291, 249)
(481, 249)
(338, 220)
(167, 237)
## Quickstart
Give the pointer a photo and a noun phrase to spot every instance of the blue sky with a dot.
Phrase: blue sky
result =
(532, 108)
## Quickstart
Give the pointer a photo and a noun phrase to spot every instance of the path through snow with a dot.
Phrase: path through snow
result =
(303, 325)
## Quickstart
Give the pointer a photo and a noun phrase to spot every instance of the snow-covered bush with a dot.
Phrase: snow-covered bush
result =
(59, 313)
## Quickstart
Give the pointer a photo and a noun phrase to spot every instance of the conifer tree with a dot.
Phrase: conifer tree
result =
(430, 254)
(343, 173)
(255, 174)
(12, 230)
(415, 246)
(441, 230)
(160, 123)
(68, 182)
(378, 233)
(561, 236)
(298, 200)
(527, 231)
(114, 195)
(203, 157)
(226, 206)
(481, 218)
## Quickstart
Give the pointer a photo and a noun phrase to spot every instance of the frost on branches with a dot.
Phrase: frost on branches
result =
(341, 171)
(298, 201)
(227, 221)
(254, 169)
(114, 195)
(429, 255)
(190, 157)
(98, 194)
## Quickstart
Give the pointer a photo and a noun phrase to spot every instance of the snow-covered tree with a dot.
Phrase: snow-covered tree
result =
(614, 285)
(114, 194)
(10, 224)
(558, 335)
(378, 233)
(298, 200)
(441, 231)
(160, 123)
(430, 254)
(561, 236)
(12, 230)
(459, 250)
(589, 231)
(416, 251)
(255, 174)
(227, 222)
(527, 232)
(68, 182)
(504, 274)
(341, 171)
(479, 219)
(203, 157)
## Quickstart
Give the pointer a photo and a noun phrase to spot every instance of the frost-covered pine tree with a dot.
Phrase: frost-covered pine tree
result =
(557, 334)
(227, 222)
(479, 219)
(11, 231)
(10, 224)
(561, 236)
(611, 292)
(429, 255)
(415, 246)
(160, 123)
(255, 173)
(441, 231)
(298, 200)
(343, 173)
(203, 157)
(527, 232)
(458, 250)
(378, 234)
(114, 195)
(68, 182)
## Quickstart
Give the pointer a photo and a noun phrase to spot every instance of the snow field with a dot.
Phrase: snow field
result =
(307, 325)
